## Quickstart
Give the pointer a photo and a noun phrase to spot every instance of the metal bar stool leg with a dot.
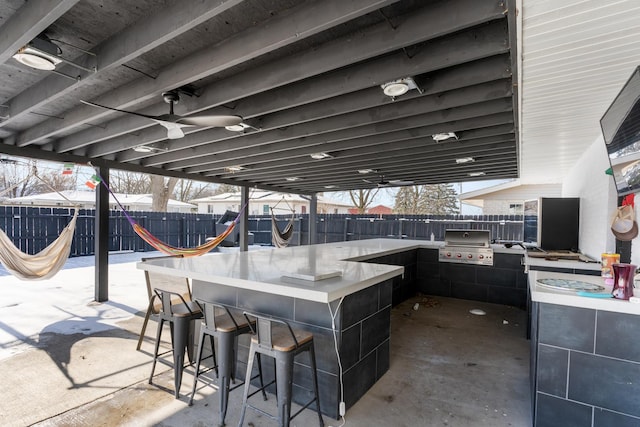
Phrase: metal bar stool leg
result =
(157, 347)
(197, 371)
(180, 335)
(247, 381)
(284, 381)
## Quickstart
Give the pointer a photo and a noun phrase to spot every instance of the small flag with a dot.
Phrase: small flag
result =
(67, 169)
(93, 182)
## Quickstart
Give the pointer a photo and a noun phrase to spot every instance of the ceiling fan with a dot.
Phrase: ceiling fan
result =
(391, 183)
(173, 122)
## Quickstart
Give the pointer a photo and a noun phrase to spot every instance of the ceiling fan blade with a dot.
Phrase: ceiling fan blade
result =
(174, 130)
(93, 104)
(216, 121)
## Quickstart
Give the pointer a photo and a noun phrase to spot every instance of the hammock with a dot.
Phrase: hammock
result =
(167, 248)
(280, 239)
(44, 264)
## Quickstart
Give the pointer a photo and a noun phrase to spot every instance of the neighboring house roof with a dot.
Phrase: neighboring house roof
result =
(266, 197)
(88, 197)
(511, 190)
(380, 209)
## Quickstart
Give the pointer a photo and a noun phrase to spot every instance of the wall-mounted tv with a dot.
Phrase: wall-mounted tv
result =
(621, 131)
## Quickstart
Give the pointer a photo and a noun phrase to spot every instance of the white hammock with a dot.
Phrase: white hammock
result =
(45, 263)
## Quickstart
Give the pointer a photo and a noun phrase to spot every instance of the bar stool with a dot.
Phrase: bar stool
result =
(179, 315)
(276, 339)
(225, 325)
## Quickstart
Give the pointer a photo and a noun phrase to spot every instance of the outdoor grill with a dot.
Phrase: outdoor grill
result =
(467, 247)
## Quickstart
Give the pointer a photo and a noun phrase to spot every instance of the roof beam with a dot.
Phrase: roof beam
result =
(151, 32)
(356, 124)
(31, 19)
(333, 55)
(303, 21)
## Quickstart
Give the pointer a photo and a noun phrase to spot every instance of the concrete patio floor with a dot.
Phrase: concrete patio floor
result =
(67, 361)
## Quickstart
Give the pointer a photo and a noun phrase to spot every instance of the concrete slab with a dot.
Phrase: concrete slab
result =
(76, 363)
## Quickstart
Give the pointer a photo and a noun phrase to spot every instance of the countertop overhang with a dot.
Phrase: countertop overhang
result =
(570, 298)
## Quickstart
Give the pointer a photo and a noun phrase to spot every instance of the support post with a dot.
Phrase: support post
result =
(313, 219)
(244, 220)
(101, 233)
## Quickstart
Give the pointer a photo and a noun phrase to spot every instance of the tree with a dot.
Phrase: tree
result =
(226, 188)
(187, 190)
(161, 191)
(362, 198)
(434, 199)
(129, 182)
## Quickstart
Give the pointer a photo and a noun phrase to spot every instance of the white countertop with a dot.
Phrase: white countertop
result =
(561, 263)
(265, 270)
(547, 295)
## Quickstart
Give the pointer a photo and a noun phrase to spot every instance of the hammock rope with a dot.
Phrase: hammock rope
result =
(280, 239)
(46, 263)
(166, 248)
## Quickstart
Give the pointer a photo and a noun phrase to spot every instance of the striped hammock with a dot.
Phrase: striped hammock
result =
(166, 248)
(280, 239)
(174, 250)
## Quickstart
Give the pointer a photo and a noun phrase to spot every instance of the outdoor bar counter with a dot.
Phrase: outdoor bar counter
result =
(585, 355)
(359, 298)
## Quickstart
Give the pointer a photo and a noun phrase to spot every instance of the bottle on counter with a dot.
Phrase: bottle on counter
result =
(433, 237)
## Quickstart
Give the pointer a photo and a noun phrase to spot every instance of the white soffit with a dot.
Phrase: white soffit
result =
(576, 56)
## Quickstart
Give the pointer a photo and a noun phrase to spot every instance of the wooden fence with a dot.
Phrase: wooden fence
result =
(32, 229)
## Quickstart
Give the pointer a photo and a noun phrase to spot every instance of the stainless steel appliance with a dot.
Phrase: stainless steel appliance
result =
(467, 247)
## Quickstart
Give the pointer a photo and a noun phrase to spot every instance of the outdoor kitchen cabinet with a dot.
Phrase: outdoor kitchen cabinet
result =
(585, 357)
(503, 283)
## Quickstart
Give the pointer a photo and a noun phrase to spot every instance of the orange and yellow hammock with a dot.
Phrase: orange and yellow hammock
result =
(167, 248)
(174, 250)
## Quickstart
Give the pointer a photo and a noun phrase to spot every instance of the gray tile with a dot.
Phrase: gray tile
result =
(618, 335)
(603, 418)
(607, 383)
(506, 296)
(555, 412)
(469, 291)
(553, 364)
(359, 305)
(497, 277)
(568, 327)
(375, 330)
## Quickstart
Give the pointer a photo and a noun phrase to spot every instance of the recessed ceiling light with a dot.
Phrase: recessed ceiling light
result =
(292, 178)
(365, 171)
(439, 137)
(465, 160)
(330, 186)
(236, 168)
(476, 174)
(320, 156)
(398, 87)
(39, 53)
(240, 127)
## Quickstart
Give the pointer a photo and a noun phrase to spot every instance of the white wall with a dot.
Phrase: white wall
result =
(598, 199)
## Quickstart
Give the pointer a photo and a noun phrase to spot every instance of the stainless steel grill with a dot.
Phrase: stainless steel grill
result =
(467, 247)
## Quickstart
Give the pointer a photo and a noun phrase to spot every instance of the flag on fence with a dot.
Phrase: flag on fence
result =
(93, 182)
(67, 169)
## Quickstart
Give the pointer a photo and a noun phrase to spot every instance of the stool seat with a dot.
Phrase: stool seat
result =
(282, 340)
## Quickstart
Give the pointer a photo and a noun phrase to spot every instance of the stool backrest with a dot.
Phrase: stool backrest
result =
(211, 310)
(263, 329)
(172, 302)
(178, 285)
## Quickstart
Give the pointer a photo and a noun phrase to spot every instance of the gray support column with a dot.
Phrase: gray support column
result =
(101, 233)
(313, 219)
(244, 220)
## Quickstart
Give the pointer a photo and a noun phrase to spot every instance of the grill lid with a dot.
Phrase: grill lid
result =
(468, 238)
